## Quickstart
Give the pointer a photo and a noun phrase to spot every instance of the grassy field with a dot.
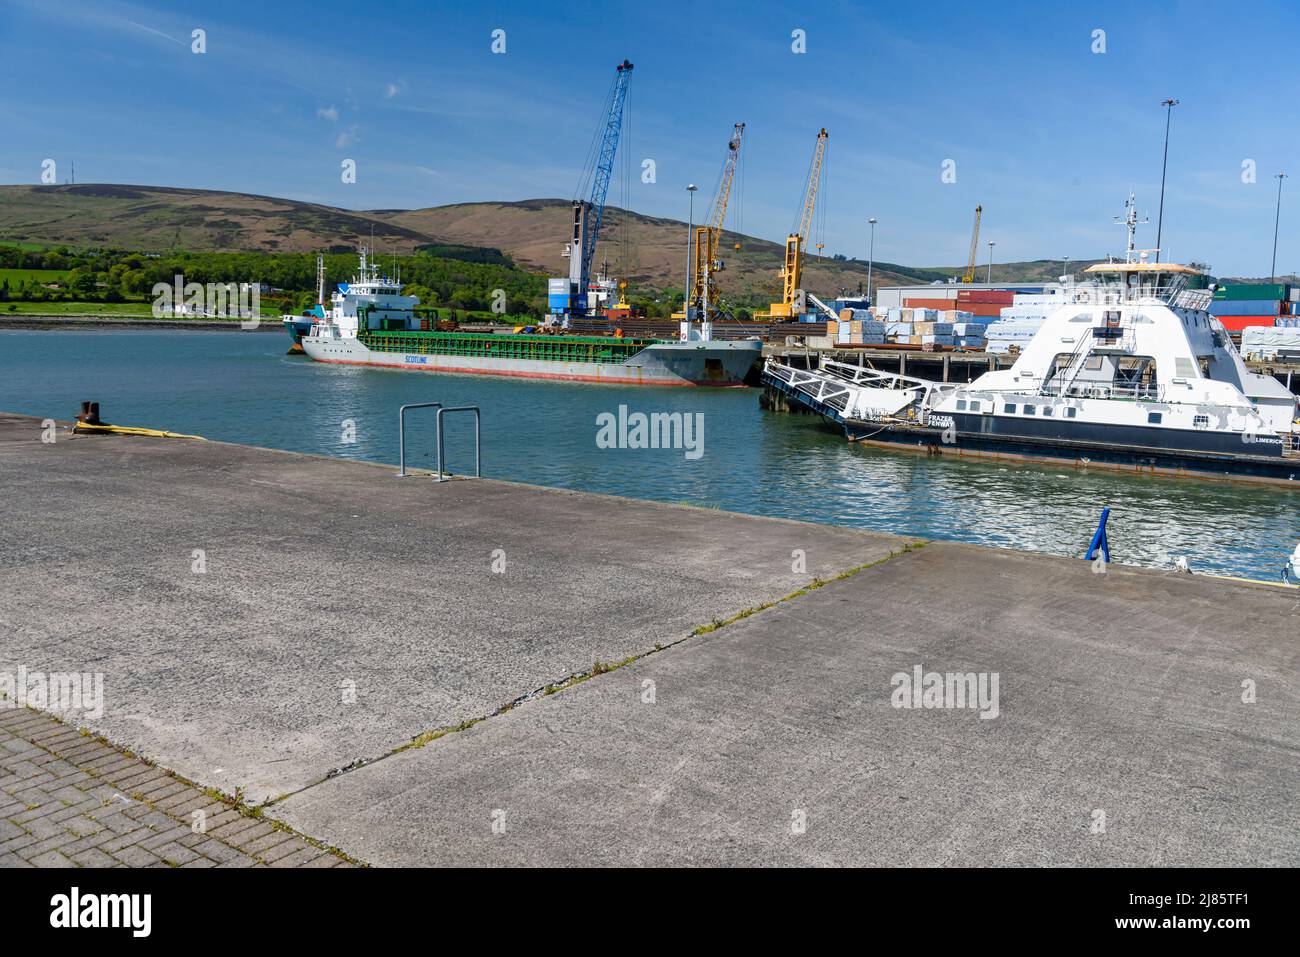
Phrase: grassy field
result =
(140, 310)
(16, 276)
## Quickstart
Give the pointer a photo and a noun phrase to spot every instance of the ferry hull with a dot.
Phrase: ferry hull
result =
(298, 327)
(709, 364)
(1119, 450)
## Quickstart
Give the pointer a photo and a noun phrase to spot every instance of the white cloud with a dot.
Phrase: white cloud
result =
(328, 113)
(391, 91)
(347, 137)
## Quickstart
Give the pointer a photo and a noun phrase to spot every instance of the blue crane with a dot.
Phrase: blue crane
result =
(568, 297)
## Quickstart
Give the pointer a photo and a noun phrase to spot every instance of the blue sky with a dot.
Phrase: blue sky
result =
(1046, 134)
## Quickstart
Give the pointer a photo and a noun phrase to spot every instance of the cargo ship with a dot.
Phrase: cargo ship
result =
(1131, 372)
(370, 323)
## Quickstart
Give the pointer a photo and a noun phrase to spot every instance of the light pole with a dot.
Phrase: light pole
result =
(1277, 218)
(989, 281)
(1065, 266)
(871, 257)
(1169, 105)
(686, 289)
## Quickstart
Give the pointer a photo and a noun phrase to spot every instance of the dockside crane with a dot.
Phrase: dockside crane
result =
(567, 298)
(969, 275)
(792, 298)
(704, 258)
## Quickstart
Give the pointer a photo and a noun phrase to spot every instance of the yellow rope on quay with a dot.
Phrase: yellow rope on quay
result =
(132, 430)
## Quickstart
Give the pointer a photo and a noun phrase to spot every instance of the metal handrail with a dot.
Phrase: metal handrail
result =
(401, 435)
(478, 456)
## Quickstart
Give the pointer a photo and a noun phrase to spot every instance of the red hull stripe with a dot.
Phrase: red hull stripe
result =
(531, 375)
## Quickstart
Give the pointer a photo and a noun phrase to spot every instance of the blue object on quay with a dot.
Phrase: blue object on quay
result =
(1099, 539)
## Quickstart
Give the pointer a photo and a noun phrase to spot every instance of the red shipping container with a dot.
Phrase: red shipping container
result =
(999, 296)
(982, 309)
(1237, 323)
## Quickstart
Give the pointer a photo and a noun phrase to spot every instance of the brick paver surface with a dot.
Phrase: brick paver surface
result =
(70, 800)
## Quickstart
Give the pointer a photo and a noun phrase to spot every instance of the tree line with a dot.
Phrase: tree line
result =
(459, 278)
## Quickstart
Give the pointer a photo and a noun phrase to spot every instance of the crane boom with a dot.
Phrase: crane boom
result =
(792, 269)
(595, 210)
(705, 260)
(569, 297)
(969, 275)
(810, 193)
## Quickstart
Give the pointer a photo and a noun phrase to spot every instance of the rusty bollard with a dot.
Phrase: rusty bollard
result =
(89, 415)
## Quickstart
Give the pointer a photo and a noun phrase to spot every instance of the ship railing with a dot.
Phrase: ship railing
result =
(1102, 390)
(814, 384)
(873, 378)
(837, 384)
(1114, 293)
(1197, 299)
(1291, 444)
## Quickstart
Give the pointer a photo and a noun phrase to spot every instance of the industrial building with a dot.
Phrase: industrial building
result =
(894, 296)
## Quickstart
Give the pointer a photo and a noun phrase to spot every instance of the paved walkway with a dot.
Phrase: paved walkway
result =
(742, 707)
(69, 800)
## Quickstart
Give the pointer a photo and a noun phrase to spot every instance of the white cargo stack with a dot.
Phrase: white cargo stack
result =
(1270, 342)
(1005, 333)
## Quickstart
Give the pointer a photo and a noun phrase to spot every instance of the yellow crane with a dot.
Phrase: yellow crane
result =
(969, 275)
(791, 303)
(704, 256)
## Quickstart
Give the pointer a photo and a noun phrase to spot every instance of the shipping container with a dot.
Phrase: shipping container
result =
(1245, 307)
(1000, 296)
(1253, 290)
(1237, 323)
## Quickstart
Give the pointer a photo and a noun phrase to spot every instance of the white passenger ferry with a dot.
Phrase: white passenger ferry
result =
(1130, 372)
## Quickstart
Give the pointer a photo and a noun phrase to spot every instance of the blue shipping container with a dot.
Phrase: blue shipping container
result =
(1245, 307)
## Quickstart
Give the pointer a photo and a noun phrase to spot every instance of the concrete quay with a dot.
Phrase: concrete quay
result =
(487, 673)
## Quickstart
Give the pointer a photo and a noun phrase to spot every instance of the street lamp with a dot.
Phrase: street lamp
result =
(1169, 105)
(1065, 266)
(690, 234)
(990, 278)
(1272, 269)
(871, 256)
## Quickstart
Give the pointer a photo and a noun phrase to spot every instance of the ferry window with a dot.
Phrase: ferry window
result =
(1200, 421)
(1093, 363)
(961, 405)
(1071, 412)
(1029, 410)
(1154, 418)
(975, 405)
(1009, 408)
(1047, 410)
(1059, 366)
(1184, 367)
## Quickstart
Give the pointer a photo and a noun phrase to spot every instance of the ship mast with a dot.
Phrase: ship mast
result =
(1130, 222)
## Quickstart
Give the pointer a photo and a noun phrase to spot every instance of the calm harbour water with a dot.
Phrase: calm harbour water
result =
(241, 387)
